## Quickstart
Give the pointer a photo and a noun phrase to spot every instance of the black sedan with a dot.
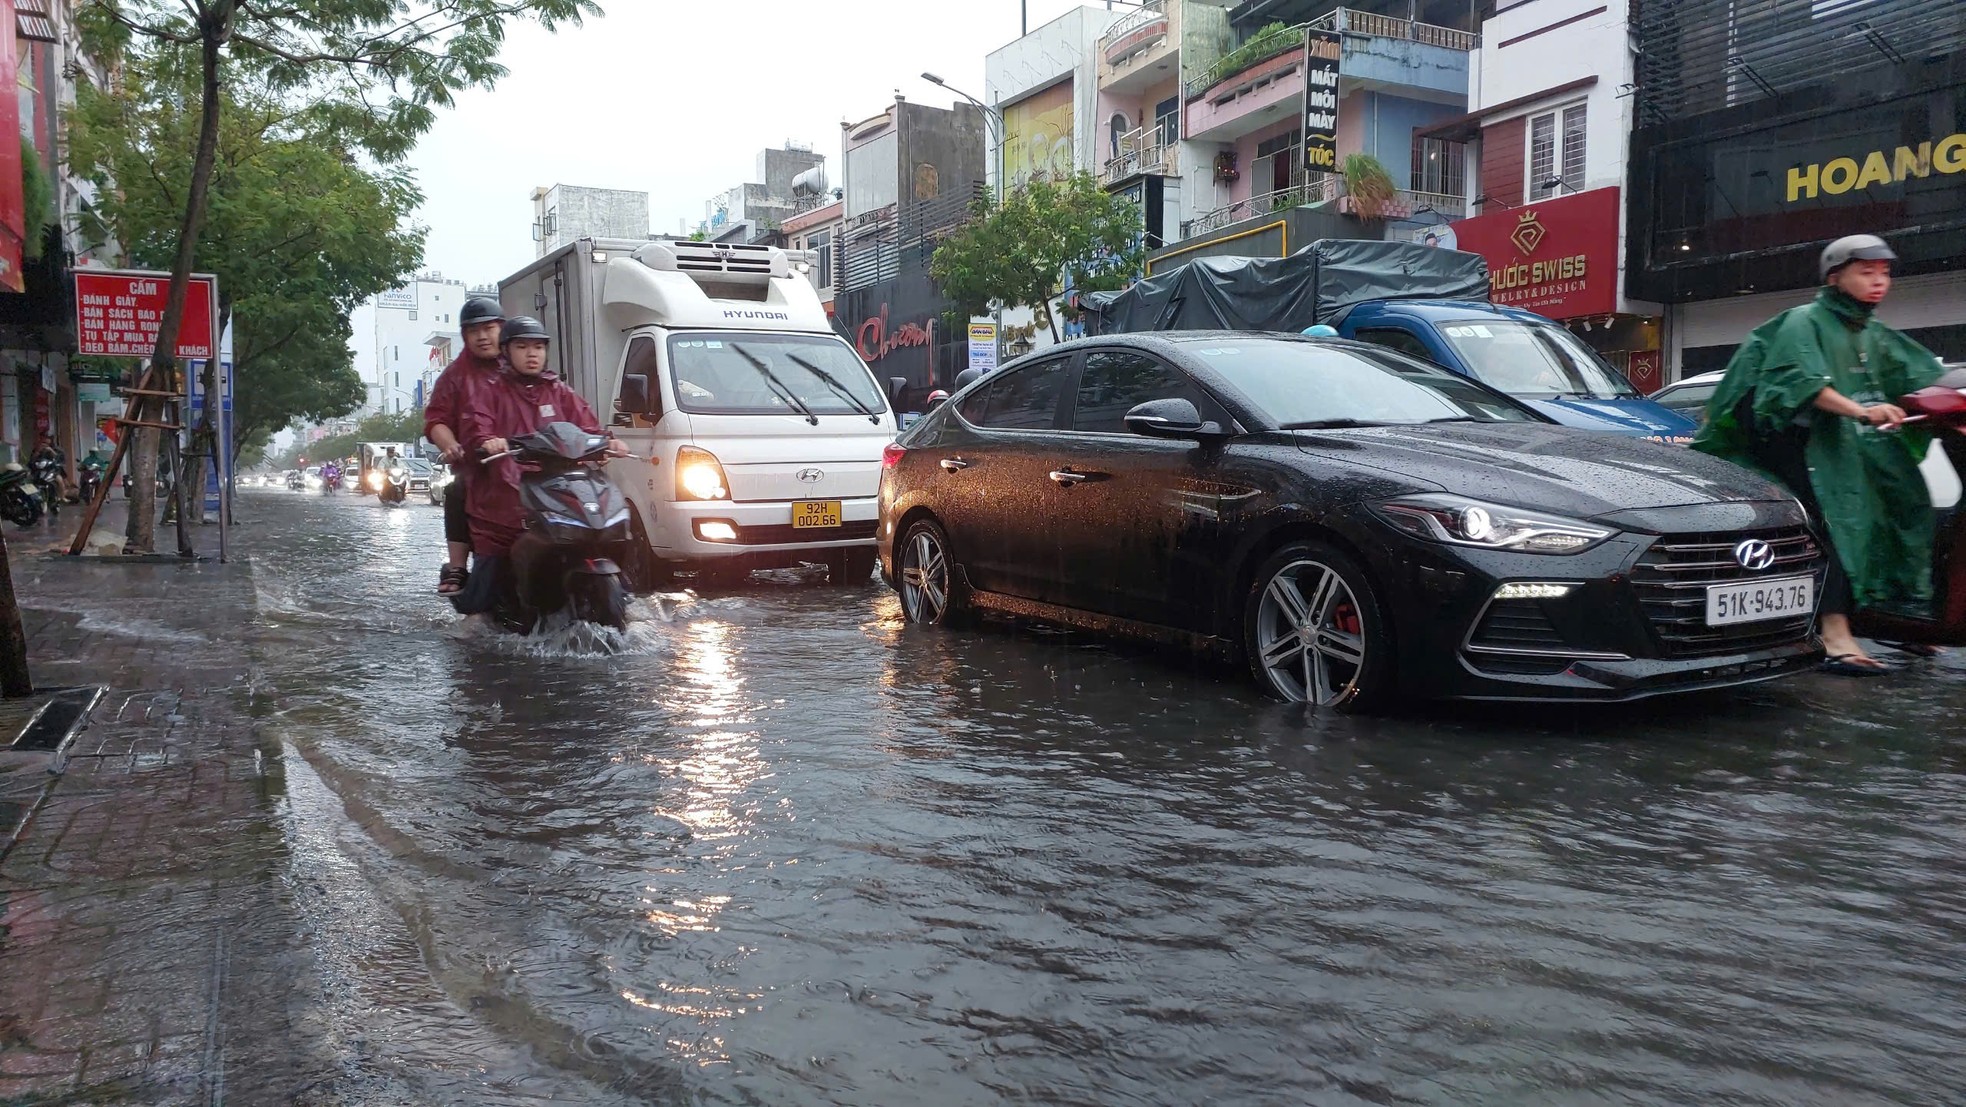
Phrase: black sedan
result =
(1358, 525)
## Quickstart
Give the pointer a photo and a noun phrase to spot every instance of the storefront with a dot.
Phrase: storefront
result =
(1559, 258)
(1730, 209)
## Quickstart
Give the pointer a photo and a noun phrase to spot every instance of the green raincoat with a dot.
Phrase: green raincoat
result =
(1867, 484)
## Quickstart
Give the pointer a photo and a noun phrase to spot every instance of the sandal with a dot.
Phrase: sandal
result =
(1854, 665)
(1916, 649)
(452, 579)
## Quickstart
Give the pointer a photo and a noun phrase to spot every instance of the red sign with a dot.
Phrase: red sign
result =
(1643, 370)
(118, 313)
(1557, 258)
(875, 341)
(13, 211)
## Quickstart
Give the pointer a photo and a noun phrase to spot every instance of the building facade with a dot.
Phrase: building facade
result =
(757, 210)
(568, 213)
(817, 230)
(416, 335)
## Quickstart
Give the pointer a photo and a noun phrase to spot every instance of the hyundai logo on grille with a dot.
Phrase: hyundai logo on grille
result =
(1754, 554)
(811, 476)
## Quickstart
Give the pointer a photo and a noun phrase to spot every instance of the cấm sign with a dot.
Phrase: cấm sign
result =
(118, 313)
(1557, 258)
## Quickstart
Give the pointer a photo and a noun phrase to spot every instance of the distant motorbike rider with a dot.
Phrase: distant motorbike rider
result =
(1804, 400)
(50, 469)
(481, 322)
(524, 398)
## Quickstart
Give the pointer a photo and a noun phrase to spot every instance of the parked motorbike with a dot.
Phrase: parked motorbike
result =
(20, 500)
(47, 475)
(1941, 406)
(88, 480)
(395, 483)
(576, 528)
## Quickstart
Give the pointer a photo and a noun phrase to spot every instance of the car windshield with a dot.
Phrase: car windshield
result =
(1306, 384)
(771, 374)
(1533, 359)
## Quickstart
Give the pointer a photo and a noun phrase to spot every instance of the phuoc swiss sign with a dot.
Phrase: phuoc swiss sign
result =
(1321, 52)
(1557, 258)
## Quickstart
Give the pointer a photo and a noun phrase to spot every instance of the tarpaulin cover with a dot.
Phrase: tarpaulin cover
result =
(1290, 293)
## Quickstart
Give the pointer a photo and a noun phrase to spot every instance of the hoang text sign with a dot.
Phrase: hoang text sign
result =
(119, 312)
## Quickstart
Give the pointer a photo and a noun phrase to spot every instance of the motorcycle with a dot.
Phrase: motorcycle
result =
(47, 475)
(330, 483)
(296, 482)
(1943, 407)
(576, 523)
(393, 488)
(20, 500)
(440, 483)
(88, 480)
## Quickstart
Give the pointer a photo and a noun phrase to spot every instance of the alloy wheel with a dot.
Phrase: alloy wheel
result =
(924, 576)
(1310, 638)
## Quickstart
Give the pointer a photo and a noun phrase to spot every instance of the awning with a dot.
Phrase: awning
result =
(1463, 128)
(31, 21)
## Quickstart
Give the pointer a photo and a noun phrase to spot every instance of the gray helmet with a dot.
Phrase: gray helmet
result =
(480, 309)
(1855, 247)
(522, 326)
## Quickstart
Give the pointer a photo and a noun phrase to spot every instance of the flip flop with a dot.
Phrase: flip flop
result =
(1852, 665)
(1916, 649)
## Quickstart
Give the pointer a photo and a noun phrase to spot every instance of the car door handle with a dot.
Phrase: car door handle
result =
(954, 465)
(1068, 478)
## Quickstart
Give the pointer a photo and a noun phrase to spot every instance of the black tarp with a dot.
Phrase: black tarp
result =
(1289, 293)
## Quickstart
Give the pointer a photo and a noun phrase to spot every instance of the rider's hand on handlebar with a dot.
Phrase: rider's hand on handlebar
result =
(494, 446)
(616, 448)
(1883, 415)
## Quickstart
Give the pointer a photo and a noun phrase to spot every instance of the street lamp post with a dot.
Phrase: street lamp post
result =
(990, 115)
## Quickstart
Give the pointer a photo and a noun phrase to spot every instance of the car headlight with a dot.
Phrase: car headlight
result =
(700, 476)
(1465, 522)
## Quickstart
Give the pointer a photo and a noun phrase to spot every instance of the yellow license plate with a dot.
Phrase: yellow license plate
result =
(815, 514)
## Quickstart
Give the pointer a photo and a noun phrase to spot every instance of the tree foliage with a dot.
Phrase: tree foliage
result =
(1044, 234)
(406, 427)
(297, 230)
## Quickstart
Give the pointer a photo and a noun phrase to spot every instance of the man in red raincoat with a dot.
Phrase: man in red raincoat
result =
(482, 322)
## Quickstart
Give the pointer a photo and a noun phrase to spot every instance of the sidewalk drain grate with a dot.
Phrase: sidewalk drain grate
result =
(57, 720)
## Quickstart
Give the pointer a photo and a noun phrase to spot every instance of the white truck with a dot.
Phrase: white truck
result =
(757, 431)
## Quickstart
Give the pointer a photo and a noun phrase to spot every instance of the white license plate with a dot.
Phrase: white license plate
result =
(1761, 600)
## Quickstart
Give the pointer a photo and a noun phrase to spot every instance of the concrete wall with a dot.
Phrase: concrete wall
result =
(1420, 68)
(951, 141)
(1387, 124)
(595, 213)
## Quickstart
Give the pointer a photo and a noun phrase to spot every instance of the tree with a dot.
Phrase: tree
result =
(372, 71)
(1044, 234)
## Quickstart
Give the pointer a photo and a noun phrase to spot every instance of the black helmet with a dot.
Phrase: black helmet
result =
(480, 309)
(523, 326)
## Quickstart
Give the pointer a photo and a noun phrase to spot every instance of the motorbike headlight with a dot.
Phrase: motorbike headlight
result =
(375, 480)
(700, 476)
(1465, 522)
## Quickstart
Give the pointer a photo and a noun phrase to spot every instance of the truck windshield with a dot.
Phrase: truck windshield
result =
(770, 374)
(1533, 359)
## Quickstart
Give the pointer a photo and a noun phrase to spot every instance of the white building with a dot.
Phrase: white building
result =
(567, 213)
(415, 335)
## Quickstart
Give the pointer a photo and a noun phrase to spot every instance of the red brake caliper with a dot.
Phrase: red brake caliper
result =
(1346, 619)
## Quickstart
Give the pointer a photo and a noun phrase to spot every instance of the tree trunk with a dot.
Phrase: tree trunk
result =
(214, 26)
(1051, 317)
(14, 679)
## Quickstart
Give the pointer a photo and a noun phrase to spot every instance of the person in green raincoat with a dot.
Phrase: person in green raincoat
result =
(1808, 400)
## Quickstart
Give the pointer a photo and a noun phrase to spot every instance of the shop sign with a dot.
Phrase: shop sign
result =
(94, 392)
(1877, 167)
(1321, 53)
(1557, 258)
(119, 312)
(983, 347)
(1642, 369)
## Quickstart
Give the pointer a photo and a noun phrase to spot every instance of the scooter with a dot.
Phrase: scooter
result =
(1941, 406)
(576, 526)
(20, 500)
(330, 483)
(395, 483)
(47, 476)
(88, 479)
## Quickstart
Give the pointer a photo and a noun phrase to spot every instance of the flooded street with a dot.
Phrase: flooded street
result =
(781, 850)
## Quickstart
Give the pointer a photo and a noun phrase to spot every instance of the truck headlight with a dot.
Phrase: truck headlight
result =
(700, 476)
(1465, 522)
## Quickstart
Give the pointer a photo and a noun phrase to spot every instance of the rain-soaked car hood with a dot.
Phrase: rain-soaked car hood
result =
(1582, 474)
(1632, 415)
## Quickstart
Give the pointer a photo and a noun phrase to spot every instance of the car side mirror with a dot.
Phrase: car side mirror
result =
(634, 394)
(1172, 418)
(895, 387)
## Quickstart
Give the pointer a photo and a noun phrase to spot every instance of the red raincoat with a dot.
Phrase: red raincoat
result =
(451, 396)
(510, 404)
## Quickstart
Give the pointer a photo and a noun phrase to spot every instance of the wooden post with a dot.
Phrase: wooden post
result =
(14, 679)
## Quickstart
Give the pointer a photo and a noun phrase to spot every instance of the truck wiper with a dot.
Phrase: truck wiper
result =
(779, 388)
(833, 383)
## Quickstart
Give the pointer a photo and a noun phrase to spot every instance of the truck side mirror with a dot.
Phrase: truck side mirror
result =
(895, 387)
(634, 397)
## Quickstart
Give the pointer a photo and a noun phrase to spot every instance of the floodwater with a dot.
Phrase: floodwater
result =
(777, 849)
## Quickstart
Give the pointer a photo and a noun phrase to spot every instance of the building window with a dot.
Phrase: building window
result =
(1275, 166)
(412, 315)
(1556, 152)
(1439, 166)
(822, 241)
(1167, 116)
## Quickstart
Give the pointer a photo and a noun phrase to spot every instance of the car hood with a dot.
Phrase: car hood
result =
(1582, 474)
(1634, 415)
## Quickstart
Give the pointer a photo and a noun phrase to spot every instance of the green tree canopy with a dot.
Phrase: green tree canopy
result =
(1049, 231)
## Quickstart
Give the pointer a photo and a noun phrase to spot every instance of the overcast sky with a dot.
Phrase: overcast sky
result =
(677, 99)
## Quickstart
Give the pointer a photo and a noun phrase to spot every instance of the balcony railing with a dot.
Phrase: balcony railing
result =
(1326, 186)
(1143, 152)
(1260, 48)
(1149, 13)
(1385, 26)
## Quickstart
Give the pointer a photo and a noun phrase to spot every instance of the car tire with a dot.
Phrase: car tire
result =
(638, 560)
(1315, 631)
(850, 566)
(925, 577)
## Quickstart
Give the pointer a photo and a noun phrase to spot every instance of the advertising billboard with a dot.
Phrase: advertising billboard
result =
(1038, 135)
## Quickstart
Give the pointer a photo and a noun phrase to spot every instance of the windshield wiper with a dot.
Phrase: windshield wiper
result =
(1457, 419)
(833, 383)
(782, 390)
(1335, 424)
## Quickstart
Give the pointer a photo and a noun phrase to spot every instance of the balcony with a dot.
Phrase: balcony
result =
(1353, 22)
(1139, 49)
(1325, 188)
(1143, 153)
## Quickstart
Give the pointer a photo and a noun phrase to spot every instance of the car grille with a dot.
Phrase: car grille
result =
(1671, 580)
(1516, 625)
(783, 533)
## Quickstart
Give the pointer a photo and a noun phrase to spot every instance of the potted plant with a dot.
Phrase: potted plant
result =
(1369, 189)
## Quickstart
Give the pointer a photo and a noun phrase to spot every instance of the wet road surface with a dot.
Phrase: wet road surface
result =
(779, 850)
